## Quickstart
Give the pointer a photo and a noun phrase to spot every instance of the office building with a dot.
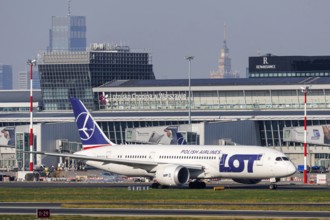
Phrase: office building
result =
(35, 80)
(68, 33)
(6, 77)
(65, 74)
(289, 66)
(23, 81)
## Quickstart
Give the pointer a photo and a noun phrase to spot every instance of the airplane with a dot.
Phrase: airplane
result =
(176, 165)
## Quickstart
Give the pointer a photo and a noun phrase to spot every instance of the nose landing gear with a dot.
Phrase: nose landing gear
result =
(273, 182)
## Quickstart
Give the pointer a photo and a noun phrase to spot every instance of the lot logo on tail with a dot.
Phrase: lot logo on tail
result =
(86, 126)
(91, 134)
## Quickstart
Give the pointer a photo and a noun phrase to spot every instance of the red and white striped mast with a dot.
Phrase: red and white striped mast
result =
(31, 63)
(305, 90)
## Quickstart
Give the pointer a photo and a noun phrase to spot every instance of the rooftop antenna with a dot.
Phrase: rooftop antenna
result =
(225, 32)
(258, 52)
(69, 7)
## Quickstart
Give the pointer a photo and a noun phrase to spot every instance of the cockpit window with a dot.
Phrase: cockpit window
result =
(285, 158)
(278, 159)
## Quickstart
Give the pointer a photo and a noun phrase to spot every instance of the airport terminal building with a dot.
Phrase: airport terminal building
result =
(252, 111)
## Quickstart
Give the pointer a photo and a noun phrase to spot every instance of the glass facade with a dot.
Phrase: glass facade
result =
(239, 99)
(23, 146)
(68, 33)
(61, 81)
(74, 74)
(121, 66)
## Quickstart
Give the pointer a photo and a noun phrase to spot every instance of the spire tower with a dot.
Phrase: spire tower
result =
(224, 62)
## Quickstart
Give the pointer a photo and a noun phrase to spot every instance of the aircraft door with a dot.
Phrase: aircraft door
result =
(260, 160)
(109, 154)
(152, 156)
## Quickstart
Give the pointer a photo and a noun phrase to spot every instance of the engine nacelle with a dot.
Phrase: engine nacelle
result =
(247, 181)
(172, 175)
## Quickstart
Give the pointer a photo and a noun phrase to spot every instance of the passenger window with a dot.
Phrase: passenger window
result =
(278, 159)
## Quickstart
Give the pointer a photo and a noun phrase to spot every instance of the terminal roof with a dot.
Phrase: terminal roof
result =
(9, 96)
(219, 82)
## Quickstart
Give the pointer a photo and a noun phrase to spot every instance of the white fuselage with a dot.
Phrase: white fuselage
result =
(244, 162)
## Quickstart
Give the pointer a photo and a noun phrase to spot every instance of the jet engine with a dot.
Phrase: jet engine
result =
(172, 175)
(247, 181)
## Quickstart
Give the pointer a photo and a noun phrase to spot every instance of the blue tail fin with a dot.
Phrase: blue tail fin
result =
(90, 133)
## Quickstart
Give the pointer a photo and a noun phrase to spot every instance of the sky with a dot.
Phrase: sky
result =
(173, 29)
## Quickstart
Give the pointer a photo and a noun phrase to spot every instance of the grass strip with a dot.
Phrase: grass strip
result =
(166, 195)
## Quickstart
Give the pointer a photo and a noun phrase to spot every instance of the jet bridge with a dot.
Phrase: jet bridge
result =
(165, 135)
(317, 135)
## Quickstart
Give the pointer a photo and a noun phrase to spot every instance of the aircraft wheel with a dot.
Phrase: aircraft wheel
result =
(272, 186)
(197, 185)
(155, 185)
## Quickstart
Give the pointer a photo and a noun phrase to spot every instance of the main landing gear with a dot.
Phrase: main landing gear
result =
(156, 185)
(272, 186)
(197, 184)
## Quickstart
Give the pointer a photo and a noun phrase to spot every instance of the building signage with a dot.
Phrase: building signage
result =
(43, 213)
(321, 179)
(7, 136)
(271, 63)
(265, 64)
(150, 97)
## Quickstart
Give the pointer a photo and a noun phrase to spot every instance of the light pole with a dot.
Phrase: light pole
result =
(305, 90)
(31, 63)
(189, 58)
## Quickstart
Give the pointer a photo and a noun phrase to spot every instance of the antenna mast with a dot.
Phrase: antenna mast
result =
(69, 7)
(225, 32)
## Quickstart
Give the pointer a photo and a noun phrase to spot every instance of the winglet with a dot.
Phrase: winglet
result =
(90, 133)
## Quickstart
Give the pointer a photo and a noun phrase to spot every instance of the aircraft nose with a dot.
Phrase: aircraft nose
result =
(291, 169)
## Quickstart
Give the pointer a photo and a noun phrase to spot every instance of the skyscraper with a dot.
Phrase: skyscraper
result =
(6, 77)
(224, 63)
(68, 33)
(23, 81)
(65, 74)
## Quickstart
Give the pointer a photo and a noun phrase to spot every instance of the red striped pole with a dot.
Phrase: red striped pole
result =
(31, 119)
(31, 63)
(305, 134)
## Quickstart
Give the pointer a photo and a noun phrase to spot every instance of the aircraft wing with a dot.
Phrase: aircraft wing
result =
(133, 163)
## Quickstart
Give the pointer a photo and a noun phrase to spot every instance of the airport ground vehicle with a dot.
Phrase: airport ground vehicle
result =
(313, 169)
(301, 168)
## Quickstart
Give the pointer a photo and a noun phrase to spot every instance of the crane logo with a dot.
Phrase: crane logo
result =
(86, 126)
